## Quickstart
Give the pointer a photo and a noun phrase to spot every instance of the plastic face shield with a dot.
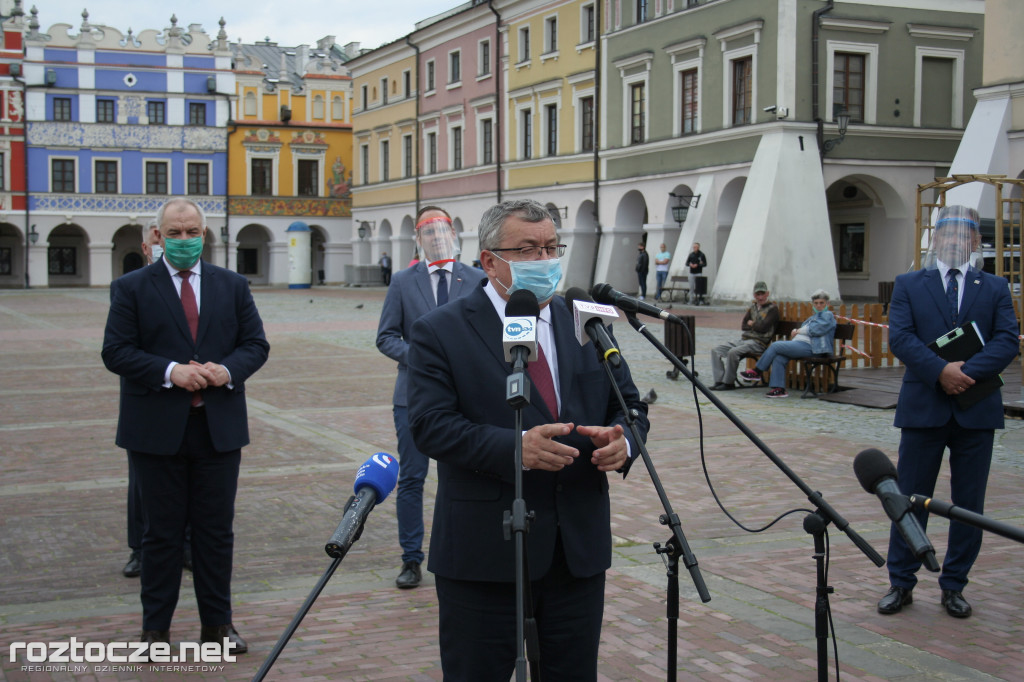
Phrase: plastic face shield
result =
(435, 237)
(955, 236)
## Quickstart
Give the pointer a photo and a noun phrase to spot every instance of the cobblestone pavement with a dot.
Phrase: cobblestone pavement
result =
(321, 406)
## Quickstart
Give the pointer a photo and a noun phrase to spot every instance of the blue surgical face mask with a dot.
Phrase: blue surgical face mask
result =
(539, 277)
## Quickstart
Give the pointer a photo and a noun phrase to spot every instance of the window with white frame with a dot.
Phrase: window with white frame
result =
(637, 112)
(641, 11)
(198, 177)
(939, 87)
(551, 34)
(337, 108)
(741, 90)
(687, 58)
(62, 175)
(385, 160)
(526, 133)
(455, 67)
(455, 147)
(689, 101)
(105, 177)
(407, 156)
(307, 178)
(407, 84)
(156, 177)
(364, 163)
(524, 44)
(430, 76)
(586, 123)
(856, 64)
(486, 141)
(383, 90)
(318, 107)
(261, 176)
(250, 104)
(550, 130)
(484, 58)
(588, 27)
(432, 153)
(365, 94)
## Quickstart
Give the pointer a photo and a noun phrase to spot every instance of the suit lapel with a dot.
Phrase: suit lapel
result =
(207, 296)
(481, 317)
(423, 284)
(565, 343)
(972, 285)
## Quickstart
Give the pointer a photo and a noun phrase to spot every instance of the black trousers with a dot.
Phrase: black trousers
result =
(478, 626)
(195, 487)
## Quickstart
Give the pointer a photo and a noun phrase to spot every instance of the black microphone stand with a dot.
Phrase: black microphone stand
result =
(955, 513)
(338, 553)
(517, 524)
(676, 545)
(824, 510)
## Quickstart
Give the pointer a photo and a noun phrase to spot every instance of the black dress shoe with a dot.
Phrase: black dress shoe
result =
(149, 637)
(218, 633)
(894, 600)
(133, 568)
(410, 576)
(955, 604)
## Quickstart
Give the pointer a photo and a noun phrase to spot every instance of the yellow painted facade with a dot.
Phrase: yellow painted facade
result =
(384, 90)
(551, 68)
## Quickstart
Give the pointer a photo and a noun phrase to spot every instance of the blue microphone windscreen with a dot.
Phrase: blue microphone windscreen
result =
(380, 472)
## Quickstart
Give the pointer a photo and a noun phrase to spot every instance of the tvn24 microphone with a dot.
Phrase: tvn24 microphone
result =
(588, 318)
(603, 293)
(375, 480)
(877, 475)
(519, 332)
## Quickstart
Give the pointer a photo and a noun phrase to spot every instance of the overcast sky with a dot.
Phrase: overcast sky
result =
(371, 23)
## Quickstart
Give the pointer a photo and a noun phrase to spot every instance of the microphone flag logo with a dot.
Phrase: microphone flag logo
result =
(518, 328)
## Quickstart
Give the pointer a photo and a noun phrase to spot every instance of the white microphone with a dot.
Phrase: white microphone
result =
(588, 323)
(519, 327)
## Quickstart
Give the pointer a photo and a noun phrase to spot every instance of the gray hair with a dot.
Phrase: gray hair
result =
(177, 201)
(493, 219)
(819, 295)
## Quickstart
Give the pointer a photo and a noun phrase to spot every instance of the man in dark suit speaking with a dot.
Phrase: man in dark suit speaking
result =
(926, 304)
(184, 336)
(573, 436)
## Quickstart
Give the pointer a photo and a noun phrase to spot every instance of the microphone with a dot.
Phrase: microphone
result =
(588, 318)
(375, 480)
(603, 293)
(877, 475)
(519, 332)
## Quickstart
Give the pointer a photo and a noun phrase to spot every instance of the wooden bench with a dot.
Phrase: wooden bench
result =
(675, 283)
(783, 328)
(817, 368)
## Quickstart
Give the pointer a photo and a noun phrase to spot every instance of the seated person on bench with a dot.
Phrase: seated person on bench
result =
(814, 337)
(758, 327)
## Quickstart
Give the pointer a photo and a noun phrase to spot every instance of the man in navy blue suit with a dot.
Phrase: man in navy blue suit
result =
(573, 436)
(926, 304)
(184, 336)
(414, 292)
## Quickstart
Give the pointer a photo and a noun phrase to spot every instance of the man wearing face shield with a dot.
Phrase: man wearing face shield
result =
(574, 436)
(184, 335)
(948, 292)
(415, 291)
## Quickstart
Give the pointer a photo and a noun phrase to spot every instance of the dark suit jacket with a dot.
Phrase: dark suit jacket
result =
(146, 330)
(459, 417)
(409, 298)
(919, 314)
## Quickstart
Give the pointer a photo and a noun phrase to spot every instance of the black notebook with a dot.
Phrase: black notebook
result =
(961, 344)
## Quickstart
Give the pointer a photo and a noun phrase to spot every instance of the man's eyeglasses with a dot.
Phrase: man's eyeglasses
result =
(534, 252)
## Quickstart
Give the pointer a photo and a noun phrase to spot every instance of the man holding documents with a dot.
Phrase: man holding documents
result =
(954, 404)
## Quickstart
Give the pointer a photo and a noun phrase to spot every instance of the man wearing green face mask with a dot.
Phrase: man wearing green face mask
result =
(184, 336)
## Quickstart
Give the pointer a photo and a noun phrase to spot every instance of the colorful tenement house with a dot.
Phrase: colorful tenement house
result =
(290, 151)
(15, 231)
(116, 122)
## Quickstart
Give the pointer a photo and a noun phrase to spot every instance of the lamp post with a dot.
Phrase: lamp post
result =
(225, 236)
(31, 237)
(684, 202)
(825, 146)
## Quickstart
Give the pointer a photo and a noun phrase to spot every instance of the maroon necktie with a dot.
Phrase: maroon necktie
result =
(188, 302)
(540, 375)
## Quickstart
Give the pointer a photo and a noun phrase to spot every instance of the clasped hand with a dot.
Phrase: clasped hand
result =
(542, 451)
(195, 376)
(953, 380)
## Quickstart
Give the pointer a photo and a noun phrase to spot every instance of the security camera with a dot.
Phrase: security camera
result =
(770, 110)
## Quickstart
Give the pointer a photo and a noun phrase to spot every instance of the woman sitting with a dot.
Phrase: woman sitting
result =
(814, 337)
